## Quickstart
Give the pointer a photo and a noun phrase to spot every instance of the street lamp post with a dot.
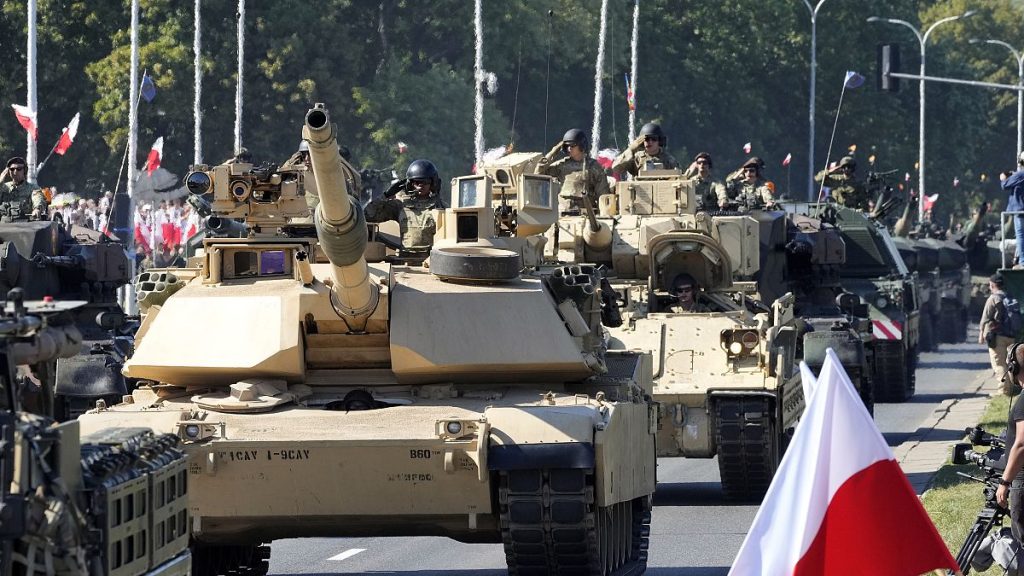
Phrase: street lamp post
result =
(1020, 95)
(922, 39)
(814, 72)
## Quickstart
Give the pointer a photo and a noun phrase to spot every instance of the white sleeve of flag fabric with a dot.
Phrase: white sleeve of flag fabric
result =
(836, 438)
(807, 382)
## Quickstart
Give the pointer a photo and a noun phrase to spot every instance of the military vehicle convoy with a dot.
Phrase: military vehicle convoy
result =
(334, 396)
(725, 376)
(112, 503)
(876, 273)
(48, 261)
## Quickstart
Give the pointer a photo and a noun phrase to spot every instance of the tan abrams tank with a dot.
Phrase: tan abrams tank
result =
(341, 398)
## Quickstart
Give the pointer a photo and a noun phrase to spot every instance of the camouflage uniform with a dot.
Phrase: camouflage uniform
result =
(577, 178)
(697, 308)
(749, 196)
(415, 217)
(632, 162)
(710, 194)
(26, 198)
(846, 189)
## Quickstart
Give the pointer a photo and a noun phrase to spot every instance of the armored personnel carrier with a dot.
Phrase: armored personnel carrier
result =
(876, 273)
(114, 503)
(725, 373)
(332, 396)
(48, 261)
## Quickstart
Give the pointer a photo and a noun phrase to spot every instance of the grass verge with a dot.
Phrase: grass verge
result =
(953, 501)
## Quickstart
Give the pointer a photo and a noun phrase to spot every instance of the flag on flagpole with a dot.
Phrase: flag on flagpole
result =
(155, 155)
(746, 148)
(787, 159)
(853, 80)
(148, 88)
(846, 505)
(402, 147)
(956, 182)
(929, 201)
(68, 136)
(27, 119)
(606, 157)
(630, 97)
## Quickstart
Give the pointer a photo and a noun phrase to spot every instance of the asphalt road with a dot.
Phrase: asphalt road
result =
(694, 531)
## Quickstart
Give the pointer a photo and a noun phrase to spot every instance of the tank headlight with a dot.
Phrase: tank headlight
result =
(454, 428)
(749, 340)
(192, 431)
(881, 302)
(198, 183)
(735, 348)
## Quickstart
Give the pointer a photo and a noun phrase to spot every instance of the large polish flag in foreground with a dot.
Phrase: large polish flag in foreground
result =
(839, 503)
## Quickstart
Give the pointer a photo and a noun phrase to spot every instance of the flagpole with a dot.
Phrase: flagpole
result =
(595, 136)
(197, 112)
(128, 302)
(238, 85)
(478, 77)
(39, 168)
(634, 41)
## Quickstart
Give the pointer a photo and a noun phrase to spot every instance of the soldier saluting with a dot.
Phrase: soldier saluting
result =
(412, 207)
(845, 188)
(747, 187)
(647, 151)
(579, 174)
(19, 198)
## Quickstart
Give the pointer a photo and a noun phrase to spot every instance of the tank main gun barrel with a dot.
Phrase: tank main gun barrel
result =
(339, 220)
(597, 235)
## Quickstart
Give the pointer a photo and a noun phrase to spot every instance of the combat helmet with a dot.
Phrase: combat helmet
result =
(654, 129)
(424, 170)
(579, 137)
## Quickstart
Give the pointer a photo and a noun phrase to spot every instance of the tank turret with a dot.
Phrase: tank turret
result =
(340, 224)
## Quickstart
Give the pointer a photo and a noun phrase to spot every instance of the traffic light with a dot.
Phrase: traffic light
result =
(888, 63)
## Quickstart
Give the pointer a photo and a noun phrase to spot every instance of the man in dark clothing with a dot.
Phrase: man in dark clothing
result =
(1014, 185)
(1012, 481)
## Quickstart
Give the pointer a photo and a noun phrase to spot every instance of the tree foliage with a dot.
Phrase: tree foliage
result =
(715, 74)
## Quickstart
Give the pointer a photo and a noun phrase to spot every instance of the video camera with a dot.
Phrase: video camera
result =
(991, 463)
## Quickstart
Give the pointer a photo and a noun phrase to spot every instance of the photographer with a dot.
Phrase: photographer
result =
(1014, 186)
(1009, 491)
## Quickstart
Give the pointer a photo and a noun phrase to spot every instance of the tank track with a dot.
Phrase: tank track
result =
(928, 340)
(952, 325)
(865, 389)
(892, 371)
(230, 559)
(551, 525)
(749, 450)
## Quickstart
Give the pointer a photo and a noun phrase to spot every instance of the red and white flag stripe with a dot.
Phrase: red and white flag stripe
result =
(27, 119)
(155, 155)
(68, 136)
(887, 329)
(838, 498)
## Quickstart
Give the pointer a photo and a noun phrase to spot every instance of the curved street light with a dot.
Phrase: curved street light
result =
(922, 39)
(1020, 82)
(814, 72)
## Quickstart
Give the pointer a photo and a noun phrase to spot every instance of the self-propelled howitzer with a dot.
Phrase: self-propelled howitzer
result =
(319, 394)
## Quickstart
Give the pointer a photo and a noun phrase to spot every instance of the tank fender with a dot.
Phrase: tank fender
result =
(527, 437)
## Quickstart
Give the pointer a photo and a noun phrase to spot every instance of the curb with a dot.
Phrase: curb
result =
(923, 453)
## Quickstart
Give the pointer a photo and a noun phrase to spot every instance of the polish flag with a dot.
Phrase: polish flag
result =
(155, 154)
(746, 148)
(27, 119)
(68, 136)
(929, 201)
(840, 504)
(787, 159)
(606, 157)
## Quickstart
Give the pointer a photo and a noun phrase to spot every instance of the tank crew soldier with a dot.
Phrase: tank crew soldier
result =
(710, 194)
(412, 207)
(19, 198)
(578, 172)
(685, 290)
(747, 188)
(646, 152)
(846, 189)
(1014, 186)
(989, 329)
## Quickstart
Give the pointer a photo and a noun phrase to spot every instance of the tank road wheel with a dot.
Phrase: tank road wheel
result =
(749, 446)
(550, 524)
(230, 559)
(892, 372)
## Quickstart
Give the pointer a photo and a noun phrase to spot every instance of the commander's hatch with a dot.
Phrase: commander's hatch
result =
(696, 254)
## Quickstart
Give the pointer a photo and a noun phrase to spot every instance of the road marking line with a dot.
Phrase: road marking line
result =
(347, 554)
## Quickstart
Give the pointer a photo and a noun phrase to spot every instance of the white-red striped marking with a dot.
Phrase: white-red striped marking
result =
(887, 329)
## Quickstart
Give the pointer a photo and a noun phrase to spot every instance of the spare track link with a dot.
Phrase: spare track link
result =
(892, 372)
(550, 525)
(748, 446)
(230, 560)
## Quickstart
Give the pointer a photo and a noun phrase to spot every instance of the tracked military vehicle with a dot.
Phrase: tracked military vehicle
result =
(725, 374)
(923, 259)
(876, 273)
(48, 261)
(113, 503)
(332, 396)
